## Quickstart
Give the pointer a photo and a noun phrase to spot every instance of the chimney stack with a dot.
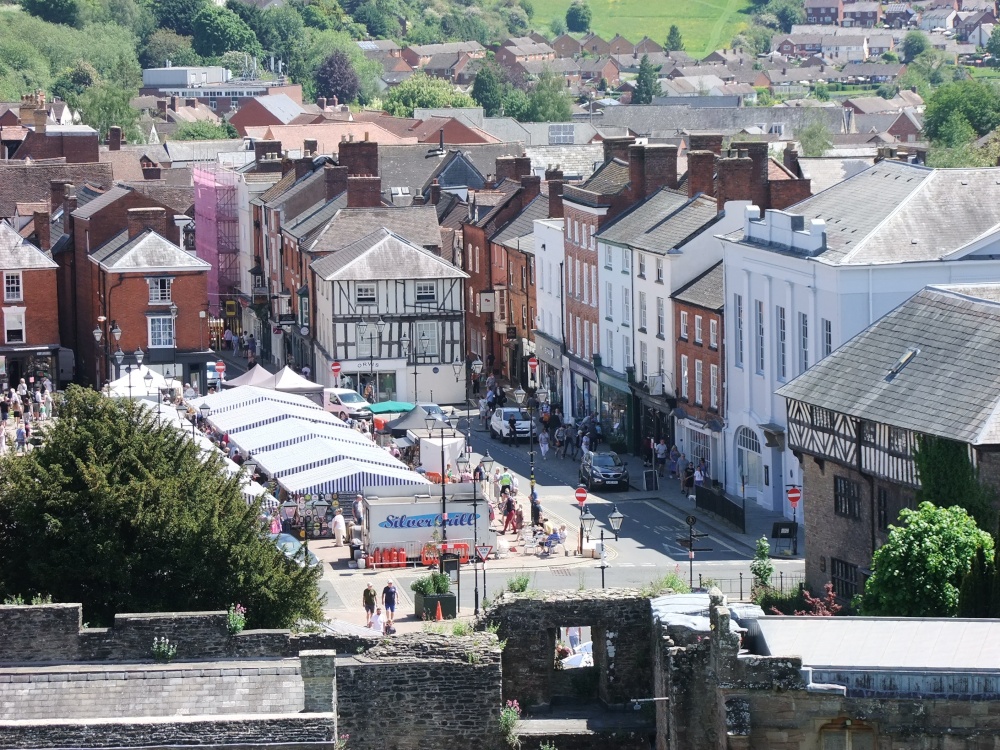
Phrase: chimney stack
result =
(418, 200)
(303, 166)
(69, 203)
(321, 103)
(161, 107)
(41, 120)
(759, 192)
(191, 102)
(43, 230)
(701, 173)
(141, 219)
(435, 192)
(151, 173)
(310, 147)
(57, 193)
(114, 138)
(705, 142)
(637, 173)
(531, 186)
(173, 103)
(364, 191)
(360, 157)
(790, 158)
(736, 179)
(617, 148)
(335, 181)
(556, 198)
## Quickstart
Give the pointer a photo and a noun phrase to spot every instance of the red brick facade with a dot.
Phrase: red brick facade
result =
(698, 347)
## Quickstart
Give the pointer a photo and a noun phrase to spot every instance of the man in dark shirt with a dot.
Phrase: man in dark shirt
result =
(389, 601)
(512, 429)
(368, 599)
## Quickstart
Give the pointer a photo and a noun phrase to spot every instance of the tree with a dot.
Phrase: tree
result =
(179, 15)
(956, 131)
(422, 91)
(975, 597)
(163, 45)
(218, 30)
(548, 100)
(488, 89)
(54, 11)
(675, 43)
(890, 57)
(557, 26)
(647, 85)
(578, 16)
(74, 81)
(947, 477)
(204, 131)
(336, 77)
(788, 13)
(281, 32)
(918, 571)
(820, 606)
(761, 569)
(378, 19)
(822, 92)
(915, 43)
(978, 102)
(814, 139)
(993, 43)
(124, 514)
(105, 105)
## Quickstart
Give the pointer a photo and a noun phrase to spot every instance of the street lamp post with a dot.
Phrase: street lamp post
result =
(412, 347)
(433, 425)
(615, 518)
(99, 336)
(463, 464)
(380, 327)
(586, 524)
(205, 410)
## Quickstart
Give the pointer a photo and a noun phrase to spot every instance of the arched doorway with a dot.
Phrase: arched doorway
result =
(748, 462)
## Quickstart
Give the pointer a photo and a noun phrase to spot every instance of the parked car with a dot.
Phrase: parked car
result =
(603, 469)
(346, 403)
(291, 547)
(500, 423)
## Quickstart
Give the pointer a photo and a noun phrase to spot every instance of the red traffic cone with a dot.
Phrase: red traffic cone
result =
(437, 615)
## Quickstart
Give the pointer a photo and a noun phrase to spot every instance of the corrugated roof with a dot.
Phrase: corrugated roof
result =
(947, 389)
(384, 255)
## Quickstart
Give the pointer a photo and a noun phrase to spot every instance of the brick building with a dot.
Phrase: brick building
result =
(213, 87)
(863, 14)
(825, 12)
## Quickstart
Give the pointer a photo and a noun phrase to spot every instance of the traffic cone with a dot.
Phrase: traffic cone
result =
(437, 615)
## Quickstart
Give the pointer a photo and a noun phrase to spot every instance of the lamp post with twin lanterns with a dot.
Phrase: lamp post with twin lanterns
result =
(380, 327)
(120, 357)
(463, 466)
(458, 366)
(205, 410)
(99, 336)
(409, 347)
(587, 520)
(543, 397)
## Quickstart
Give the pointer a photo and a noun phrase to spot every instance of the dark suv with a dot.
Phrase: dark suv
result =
(603, 469)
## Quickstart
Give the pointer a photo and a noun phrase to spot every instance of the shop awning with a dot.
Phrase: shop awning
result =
(310, 454)
(348, 476)
(392, 407)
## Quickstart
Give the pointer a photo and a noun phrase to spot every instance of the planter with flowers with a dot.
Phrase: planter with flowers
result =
(430, 591)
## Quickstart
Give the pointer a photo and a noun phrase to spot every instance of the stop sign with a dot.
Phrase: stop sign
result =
(533, 364)
(220, 367)
(581, 495)
(335, 368)
(794, 495)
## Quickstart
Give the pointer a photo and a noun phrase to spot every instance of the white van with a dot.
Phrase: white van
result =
(346, 403)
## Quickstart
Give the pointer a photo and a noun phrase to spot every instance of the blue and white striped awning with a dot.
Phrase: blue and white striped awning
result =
(236, 398)
(348, 476)
(255, 415)
(309, 454)
(291, 431)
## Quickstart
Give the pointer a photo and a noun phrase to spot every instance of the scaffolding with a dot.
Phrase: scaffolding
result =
(217, 232)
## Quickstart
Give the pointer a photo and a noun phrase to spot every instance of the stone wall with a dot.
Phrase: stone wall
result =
(621, 630)
(53, 633)
(237, 730)
(131, 690)
(422, 691)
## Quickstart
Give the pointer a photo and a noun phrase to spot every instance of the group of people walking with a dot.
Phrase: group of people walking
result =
(22, 406)
(677, 466)
(241, 345)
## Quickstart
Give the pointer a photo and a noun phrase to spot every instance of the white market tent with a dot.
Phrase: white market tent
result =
(349, 477)
(236, 398)
(256, 375)
(430, 452)
(292, 431)
(309, 454)
(289, 381)
(137, 378)
(259, 414)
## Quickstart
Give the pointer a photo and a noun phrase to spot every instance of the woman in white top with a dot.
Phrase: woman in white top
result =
(543, 443)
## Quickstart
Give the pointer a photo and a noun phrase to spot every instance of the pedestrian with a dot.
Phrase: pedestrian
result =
(243, 345)
(674, 456)
(574, 634)
(339, 529)
(543, 443)
(560, 441)
(306, 371)
(368, 600)
(512, 429)
(22, 389)
(682, 464)
(21, 438)
(389, 601)
(506, 480)
(251, 347)
(536, 508)
(689, 479)
(4, 412)
(227, 338)
(16, 403)
(518, 519)
(376, 622)
(699, 476)
(661, 453)
(509, 517)
(584, 443)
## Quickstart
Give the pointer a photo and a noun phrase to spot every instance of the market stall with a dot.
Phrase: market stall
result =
(347, 476)
(316, 452)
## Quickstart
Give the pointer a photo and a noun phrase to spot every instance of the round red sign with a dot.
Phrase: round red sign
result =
(220, 367)
(335, 368)
(533, 364)
(581, 495)
(794, 495)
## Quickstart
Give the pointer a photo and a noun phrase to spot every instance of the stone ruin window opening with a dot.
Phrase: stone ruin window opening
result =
(847, 734)
(577, 664)
(574, 647)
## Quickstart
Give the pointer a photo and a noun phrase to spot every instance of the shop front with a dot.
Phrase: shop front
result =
(615, 411)
(550, 373)
(583, 389)
(653, 409)
(701, 442)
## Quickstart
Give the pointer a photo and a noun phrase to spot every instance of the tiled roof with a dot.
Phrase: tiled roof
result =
(180, 198)
(313, 218)
(21, 183)
(384, 255)
(662, 222)
(524, 223)
(329, 134)
(17, 254)
(99, 202)
(277, 189)
(706, 290)
(947, 389)
(146, 250)
(417, 224)
(609, 179)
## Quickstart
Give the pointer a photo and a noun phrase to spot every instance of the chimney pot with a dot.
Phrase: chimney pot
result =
(321, 102)
(435, 192)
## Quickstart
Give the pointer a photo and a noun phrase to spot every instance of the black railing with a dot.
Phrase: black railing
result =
(740, 588)
(716, 502)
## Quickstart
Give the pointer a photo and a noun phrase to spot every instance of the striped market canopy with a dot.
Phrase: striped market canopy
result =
(310, 454)
(287, 432)
(348, 476)
(259, 414)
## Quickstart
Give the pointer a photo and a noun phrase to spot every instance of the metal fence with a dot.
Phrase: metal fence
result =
(738, 589)
(708, 499)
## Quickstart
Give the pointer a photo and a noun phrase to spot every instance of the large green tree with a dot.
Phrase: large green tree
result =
(647, 85)
(219, 30)
(421, 90)
(488, 89)
(163, 45)
(814, 138)
(918, 571)
(578, 16)
(915, 43)
(548, 100)
(124, 514)
(993, 43)
(104, 105)
(204, 131)
(947, 477)
(54, 11)
(179, 15)
(977, 101)
(675, 42)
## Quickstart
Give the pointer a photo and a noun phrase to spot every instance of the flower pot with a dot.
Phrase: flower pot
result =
(425, 605)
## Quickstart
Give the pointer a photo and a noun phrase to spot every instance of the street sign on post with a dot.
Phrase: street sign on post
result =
(335, 368)
(581, 495)
(220, 369)
(794, 495)
(483, 551)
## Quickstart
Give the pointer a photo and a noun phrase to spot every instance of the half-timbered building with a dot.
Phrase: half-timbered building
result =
(391, 313)
(856, 417)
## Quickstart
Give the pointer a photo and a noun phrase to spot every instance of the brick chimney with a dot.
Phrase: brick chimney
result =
(43, 230)
(661, 167)
(151, 173)
(736, 179)
(435, 192)
(705, 142)
(364, 191)
(310, 146)
(114, 138)
(531, 186)
(701, 173)
(161, 107)
(617, 147)
(758, 153)
(418, 200)
(174, 101)
(335, 181)
(303, 166)
(189, 102)
(360, 157)
(790, 158)
(522, 166)
(26, 112)
(141, 219)
(41, 120)
(69, 203)
(321, 102)
(556, 199)
(57, 192)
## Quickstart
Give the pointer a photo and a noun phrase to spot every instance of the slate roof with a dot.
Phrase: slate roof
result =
(99, 202)
(414, 166)
(946, 389)
(647, 119)
(147, 250)
(17, 254)
(281, 106)
(524, 223)
(384, 255)
(181, 152)
(418, 224)
(29, 183)
(314, 218)
(825, 172)
(576, 162)
(661, 223)
(610, 178)
(706, 290)
(180, 198)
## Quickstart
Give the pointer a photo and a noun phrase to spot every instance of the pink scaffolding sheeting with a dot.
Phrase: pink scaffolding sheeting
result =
(217, 231)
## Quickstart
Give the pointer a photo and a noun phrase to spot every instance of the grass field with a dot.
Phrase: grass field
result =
(705, 25)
